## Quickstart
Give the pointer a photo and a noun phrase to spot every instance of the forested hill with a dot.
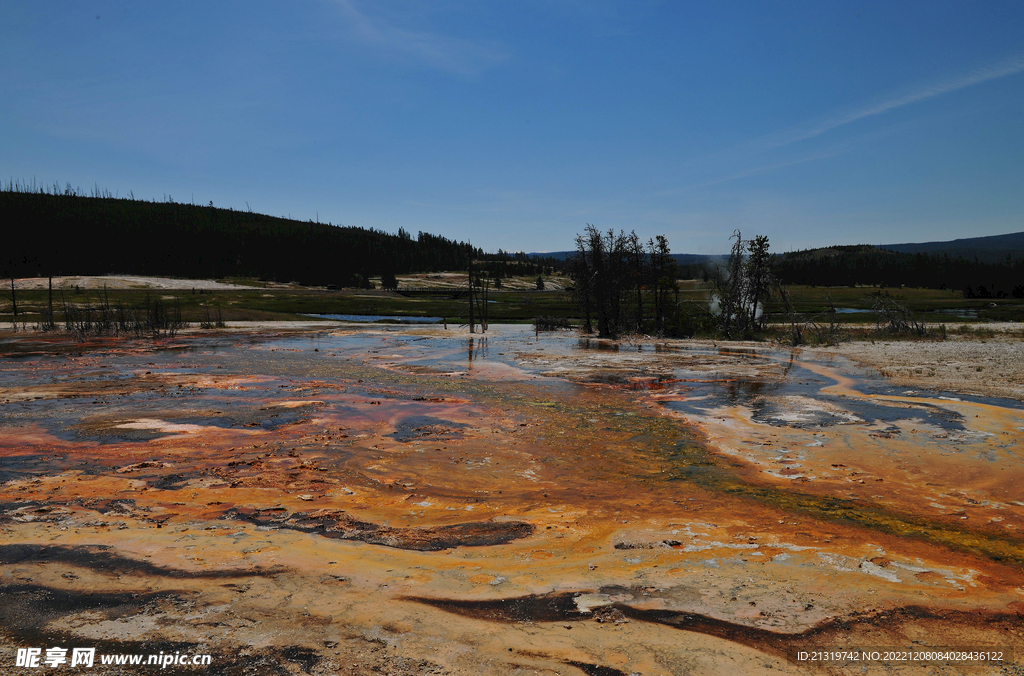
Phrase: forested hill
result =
(67, 233)
(991, 249)
(863, 264)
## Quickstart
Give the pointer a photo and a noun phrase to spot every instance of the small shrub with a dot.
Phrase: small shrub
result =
(896, 319)
(551, 324)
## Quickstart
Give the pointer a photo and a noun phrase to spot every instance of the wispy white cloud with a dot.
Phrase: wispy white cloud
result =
(465, 58)
(1007, 67)
(746, 151)
(754, 171)
(832, 150)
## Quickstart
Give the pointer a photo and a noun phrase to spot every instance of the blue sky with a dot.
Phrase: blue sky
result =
(514, 124)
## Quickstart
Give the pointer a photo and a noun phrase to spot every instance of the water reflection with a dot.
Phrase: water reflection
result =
(478, 345)
(605, 345)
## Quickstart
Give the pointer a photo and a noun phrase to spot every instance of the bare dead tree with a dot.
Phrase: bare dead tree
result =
(796, 329)
(471, 318)
(49, 324)
(896, 319)
(743, 287)
(14, 306)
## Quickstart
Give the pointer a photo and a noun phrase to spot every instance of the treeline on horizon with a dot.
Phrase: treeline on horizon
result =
(61, 231)
(869, 265)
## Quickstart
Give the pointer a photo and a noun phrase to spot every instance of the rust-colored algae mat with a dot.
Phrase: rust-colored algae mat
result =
(421, 501)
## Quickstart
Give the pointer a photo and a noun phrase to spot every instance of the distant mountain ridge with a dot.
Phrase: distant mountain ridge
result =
(990, 249)
(980, 272)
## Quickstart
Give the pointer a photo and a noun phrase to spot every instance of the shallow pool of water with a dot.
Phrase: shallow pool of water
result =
(396, 319)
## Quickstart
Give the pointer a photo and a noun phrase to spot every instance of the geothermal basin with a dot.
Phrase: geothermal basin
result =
(414, 500)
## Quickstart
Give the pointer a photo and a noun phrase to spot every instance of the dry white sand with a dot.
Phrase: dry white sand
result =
(124, 282)
(973, 365)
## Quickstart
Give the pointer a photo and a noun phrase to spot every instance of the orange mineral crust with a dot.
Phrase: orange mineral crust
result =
(409, 501)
